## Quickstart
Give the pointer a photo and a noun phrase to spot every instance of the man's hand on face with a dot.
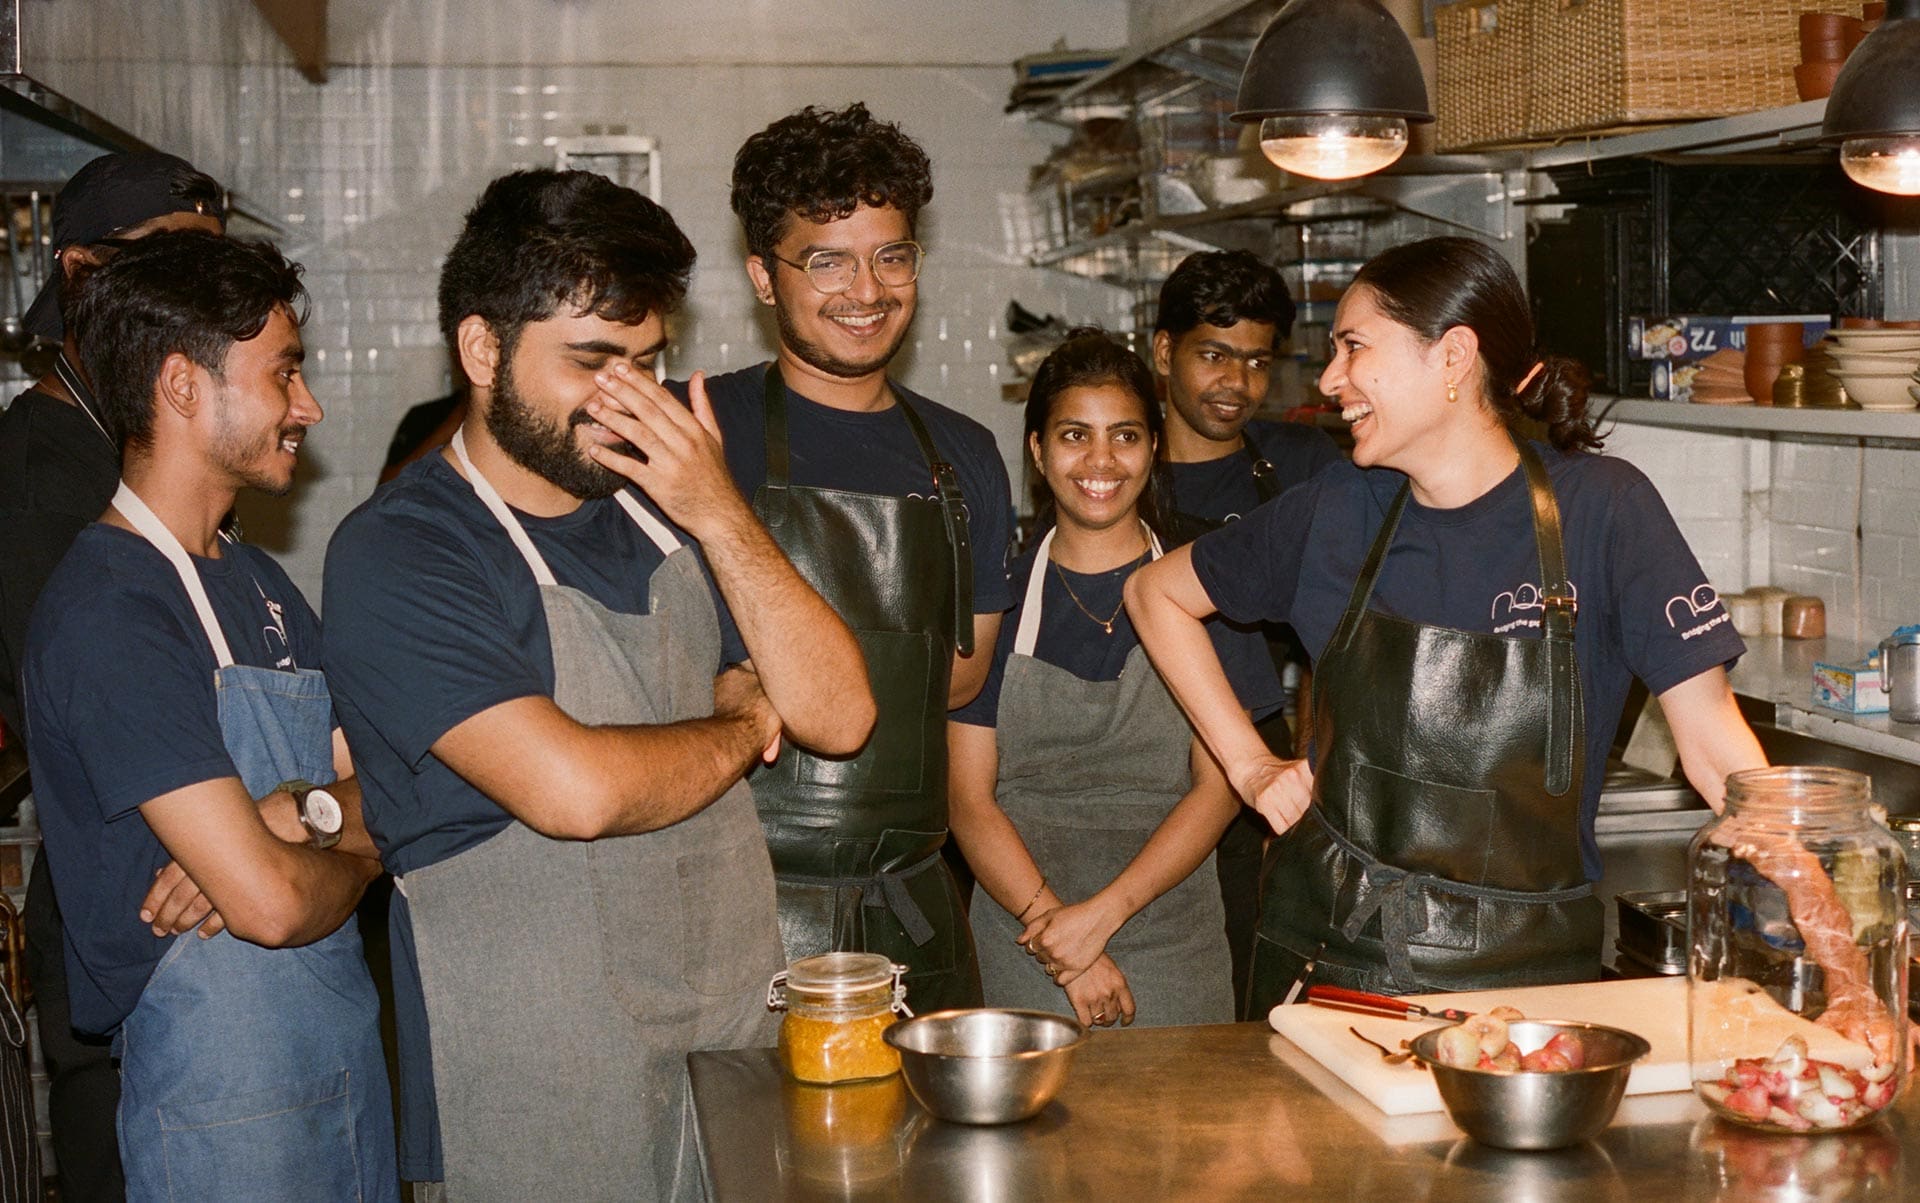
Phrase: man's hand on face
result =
(680, 465)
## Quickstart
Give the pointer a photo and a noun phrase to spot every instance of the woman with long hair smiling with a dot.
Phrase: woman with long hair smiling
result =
(1477, 603)
(1079, 794)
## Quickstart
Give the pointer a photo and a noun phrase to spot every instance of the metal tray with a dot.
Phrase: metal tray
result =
(1653, 929)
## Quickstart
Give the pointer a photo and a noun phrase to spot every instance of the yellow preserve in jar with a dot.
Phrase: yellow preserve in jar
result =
(838, 1005)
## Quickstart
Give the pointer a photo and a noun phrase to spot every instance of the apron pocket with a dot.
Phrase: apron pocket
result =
(288, 1143)
(1422, 826)
(900, 665)
(719, 943)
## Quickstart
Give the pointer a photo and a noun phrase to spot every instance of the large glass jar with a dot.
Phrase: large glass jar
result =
(1796, 990)
(838, 1004)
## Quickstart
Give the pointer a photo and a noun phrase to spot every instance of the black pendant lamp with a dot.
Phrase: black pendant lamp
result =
(1874, 111)
(1333, 84)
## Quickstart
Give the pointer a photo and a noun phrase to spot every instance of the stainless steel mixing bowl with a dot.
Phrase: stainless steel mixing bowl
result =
(1542, 1110)
(988, 1065)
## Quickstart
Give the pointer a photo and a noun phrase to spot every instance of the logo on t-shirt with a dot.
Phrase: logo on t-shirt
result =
(275, 632)
(1520, 608)
(1689, 607)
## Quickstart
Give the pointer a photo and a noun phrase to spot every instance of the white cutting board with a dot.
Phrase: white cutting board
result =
(1654, 1008)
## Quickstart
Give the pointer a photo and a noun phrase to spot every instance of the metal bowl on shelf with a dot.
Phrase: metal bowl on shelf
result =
(987, 1065)
(1544, 1109)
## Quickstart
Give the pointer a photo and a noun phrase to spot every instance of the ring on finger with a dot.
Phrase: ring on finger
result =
(1052, 970)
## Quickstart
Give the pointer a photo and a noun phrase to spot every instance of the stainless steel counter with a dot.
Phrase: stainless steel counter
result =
(1237, 1112)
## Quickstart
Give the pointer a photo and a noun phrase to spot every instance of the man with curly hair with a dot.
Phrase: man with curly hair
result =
(895, 508)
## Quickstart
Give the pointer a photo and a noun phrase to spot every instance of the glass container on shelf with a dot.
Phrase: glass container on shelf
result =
(1796, 998)
(838, 1004)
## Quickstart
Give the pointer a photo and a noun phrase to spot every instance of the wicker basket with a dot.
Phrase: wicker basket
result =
(1598, 64)
(1480, 86)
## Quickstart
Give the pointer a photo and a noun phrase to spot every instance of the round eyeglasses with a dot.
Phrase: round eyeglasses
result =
(895, 265)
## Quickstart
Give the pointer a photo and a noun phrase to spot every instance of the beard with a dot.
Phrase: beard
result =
(816, 356)
(546, 448)
(232, 448)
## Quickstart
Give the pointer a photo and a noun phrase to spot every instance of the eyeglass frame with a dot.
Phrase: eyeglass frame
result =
(806, 268)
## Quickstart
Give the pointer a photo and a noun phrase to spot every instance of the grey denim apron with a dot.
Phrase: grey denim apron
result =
(1088, 772)
(567, 980)
(247, 1072)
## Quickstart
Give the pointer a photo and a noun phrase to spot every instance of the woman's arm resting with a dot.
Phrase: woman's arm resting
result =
(1711, 734)
(1167, 603)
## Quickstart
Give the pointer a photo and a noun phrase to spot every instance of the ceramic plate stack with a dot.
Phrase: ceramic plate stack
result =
(1879, 367)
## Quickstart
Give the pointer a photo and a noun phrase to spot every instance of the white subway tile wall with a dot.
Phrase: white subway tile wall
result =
(371, 173)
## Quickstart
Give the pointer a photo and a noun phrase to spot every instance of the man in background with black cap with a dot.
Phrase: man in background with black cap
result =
(58, 469)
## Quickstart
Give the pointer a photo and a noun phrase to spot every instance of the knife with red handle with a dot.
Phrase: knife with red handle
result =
(1380, 1004)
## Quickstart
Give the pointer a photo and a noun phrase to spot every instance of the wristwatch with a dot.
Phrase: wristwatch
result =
(319, 812)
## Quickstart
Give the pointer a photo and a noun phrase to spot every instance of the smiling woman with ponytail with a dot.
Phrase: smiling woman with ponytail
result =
(1477, 602)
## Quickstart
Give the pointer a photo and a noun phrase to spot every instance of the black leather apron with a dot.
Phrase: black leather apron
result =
(1442, 850)
(1238, 856)
(856, 840)
(1182, 527)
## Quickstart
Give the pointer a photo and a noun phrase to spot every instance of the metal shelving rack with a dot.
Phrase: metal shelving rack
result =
(1474, 192)
(1891, 425)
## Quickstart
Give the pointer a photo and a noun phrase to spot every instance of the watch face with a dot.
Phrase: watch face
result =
(323, 811)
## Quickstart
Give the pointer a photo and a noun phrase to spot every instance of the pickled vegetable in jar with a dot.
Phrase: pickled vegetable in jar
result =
(839, 1005)
(1796, 1015)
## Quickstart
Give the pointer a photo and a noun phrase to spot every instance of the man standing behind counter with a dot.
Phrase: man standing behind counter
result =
(171, 679)
(1221, 318)
(897, 509)
(533, 670)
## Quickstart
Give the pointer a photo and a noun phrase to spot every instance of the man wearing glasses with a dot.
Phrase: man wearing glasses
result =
(895, 508)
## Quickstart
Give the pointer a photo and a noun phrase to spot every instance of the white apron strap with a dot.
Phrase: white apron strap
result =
(1028, 633)
(490, 497)
(155, 531)
(662, 537)
(656, 530)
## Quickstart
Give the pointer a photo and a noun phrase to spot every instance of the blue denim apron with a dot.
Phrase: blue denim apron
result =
(252, 1073)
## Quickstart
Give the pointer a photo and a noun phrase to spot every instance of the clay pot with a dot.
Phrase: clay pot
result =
(1815, 80)
(1770, 347)
(1861, 323)
(1823, 52)
(1825, 27)
(1873, 10)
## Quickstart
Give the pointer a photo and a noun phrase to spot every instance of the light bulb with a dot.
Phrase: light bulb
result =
(1333, 146)
(1885, 164)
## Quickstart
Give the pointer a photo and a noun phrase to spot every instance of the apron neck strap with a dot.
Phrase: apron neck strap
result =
(1028, 633)
(490, 497)
(1266, 482)
(1556, 590)
(946, 484)
(155, 532)
(70, 377)
(656, 530)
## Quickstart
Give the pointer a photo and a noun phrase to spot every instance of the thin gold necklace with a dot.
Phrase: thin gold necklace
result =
(1106, 624)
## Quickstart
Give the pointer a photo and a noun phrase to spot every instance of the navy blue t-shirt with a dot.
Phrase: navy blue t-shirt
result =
(1221, 490)
(1646, 609)
(874, 453)
(433, 618)
(1069, 639)
(120, 703)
